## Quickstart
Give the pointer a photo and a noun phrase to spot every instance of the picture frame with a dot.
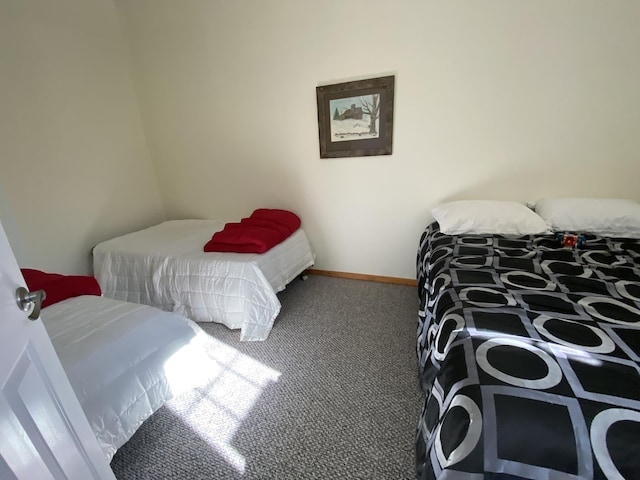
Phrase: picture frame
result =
(355, 118)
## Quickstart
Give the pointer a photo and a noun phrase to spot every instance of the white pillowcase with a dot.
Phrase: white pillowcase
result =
(615, 217)
(487, 217)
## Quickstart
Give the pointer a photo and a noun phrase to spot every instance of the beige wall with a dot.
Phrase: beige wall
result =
(74, 165)
(494, 99)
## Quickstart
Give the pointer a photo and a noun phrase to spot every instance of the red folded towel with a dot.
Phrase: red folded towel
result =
(260, 232)
(260, 222)
(244, 238)
(60, 287)
(282, 217)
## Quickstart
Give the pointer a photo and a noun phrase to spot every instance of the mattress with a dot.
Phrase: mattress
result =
(165, 266)
(529, 357)
(124, 361)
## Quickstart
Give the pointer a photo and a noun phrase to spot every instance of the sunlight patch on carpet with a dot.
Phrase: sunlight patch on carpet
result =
(215, 411)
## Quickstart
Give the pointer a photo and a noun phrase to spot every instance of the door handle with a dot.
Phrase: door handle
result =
(30, 302)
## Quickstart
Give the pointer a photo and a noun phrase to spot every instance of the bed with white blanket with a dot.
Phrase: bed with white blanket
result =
(165, 266)
(124, 361)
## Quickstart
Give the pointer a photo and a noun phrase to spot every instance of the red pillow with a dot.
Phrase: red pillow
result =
(35, 278)
(284, 230)
(60, 287)
(283, 217)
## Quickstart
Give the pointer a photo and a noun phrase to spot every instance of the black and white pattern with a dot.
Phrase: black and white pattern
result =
(529, 356)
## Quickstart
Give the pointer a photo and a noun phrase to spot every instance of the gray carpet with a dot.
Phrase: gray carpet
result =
(331, 394)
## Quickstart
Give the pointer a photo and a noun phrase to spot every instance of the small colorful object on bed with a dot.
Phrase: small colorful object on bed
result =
(570, 240)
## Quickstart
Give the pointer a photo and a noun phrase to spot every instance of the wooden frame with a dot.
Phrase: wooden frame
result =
(355, 119)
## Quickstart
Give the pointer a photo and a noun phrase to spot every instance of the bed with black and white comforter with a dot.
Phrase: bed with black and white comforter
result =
(529, 357)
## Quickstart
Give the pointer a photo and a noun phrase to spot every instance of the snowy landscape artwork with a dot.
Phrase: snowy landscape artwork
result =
(355, 118)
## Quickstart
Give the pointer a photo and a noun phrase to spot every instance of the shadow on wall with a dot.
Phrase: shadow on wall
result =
(11, 229)
(239, 187)
(526, 185)
(106, 225)
(529, 184)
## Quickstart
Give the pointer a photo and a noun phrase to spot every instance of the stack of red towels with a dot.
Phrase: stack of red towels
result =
(60, 287)
(263, 230)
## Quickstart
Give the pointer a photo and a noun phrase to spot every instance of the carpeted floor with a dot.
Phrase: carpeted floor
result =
(331, 394)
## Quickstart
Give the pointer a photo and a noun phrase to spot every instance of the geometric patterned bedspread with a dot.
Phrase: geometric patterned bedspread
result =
(529, 357)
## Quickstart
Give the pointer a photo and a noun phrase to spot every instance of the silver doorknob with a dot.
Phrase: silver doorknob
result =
(30, 302)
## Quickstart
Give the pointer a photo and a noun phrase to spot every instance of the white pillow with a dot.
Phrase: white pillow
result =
(615, 217)
(487, 217)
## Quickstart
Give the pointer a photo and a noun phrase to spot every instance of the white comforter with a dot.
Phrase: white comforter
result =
(124, 361)
(165, 266)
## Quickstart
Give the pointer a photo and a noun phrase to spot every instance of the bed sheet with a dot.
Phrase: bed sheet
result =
(529, 357)
(165, 266)
(124, 361)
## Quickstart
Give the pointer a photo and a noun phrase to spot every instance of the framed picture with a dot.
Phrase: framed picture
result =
(355, 119)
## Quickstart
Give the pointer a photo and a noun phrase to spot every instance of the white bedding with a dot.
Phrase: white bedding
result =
(125, 361)
(165, 266)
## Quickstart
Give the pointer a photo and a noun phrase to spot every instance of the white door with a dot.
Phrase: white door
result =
(43, 431)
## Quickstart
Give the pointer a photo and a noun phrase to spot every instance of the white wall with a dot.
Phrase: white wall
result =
(74, 164)
(494, 99)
